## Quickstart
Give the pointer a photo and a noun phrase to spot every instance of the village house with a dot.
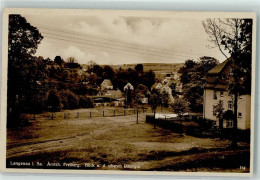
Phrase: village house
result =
(114, 94)
(106, 85)
(109, 98)
(156, 86)
(216, 88)
(128, 86)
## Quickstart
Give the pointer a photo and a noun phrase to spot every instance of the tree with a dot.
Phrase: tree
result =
(25, 71)
(154, 102)
(71, 60)
(193, 79)
(72, 63)
(219, 111)
(92, 79)
(235, 37)
(147, 78)
(139, 68)
(58, 60)
(108, 72)
(180, 106)
(54, 101)
(91, 65)
(164, 98)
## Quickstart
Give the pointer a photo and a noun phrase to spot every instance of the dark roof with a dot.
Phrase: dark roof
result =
(213, 81)
(219, 67)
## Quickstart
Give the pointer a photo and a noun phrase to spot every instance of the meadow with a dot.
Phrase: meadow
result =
(116, 141)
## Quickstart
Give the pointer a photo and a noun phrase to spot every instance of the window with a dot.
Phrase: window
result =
(215, 95)
(230, 105)
(229, 123)
(240, 115)
(221, 94)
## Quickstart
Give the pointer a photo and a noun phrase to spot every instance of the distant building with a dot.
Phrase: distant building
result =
(128, 86)
(157, 86)
(114, 94)
(106, 85)
(144, 100)
(216, 88)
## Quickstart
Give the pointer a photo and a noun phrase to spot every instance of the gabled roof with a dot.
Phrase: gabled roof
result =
(215, 79)
(128, 85)
(155, 85)
(115, 92)
(219, 67)
(108, 82)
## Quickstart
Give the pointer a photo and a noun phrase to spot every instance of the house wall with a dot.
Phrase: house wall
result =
(244, 103)
(104, 86)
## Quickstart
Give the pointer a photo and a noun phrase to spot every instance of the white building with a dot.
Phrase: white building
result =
(128, 86)
(216, 89)
(106, 84)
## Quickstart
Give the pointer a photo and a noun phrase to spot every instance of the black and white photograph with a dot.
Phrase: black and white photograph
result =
(128, 91)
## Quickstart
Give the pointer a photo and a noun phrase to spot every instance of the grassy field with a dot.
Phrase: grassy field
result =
(160, 69)
(119, 143)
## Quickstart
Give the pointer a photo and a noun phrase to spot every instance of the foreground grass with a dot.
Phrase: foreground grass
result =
(118, 140)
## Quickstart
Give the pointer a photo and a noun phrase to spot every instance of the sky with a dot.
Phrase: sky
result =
(113, 39)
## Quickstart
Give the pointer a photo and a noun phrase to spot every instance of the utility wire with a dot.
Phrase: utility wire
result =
(62, 39)
(110, 39)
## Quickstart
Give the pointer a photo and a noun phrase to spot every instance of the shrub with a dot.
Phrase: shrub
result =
(69, 99)
(54, 101)
(73, 100)
(85, 102)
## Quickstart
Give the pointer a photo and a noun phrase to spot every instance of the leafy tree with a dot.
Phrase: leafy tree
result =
(154, 102)
(54, 101)
(69, 99)
(180, 106)
(165, 98)
(108, 72)
(85, 102)
(219, 111)
(193, 79)
(92, 79)
(235, 37)
(98, 70)
(25, 71)
(58, 60)
(139, 68)
(147, 78)
(129, 97)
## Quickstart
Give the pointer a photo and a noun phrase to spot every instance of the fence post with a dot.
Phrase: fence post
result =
(34, 116)
(77, 114)
(90, 114)
(52, 115)
(161, 109)
(124, 112)
(64, 115)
